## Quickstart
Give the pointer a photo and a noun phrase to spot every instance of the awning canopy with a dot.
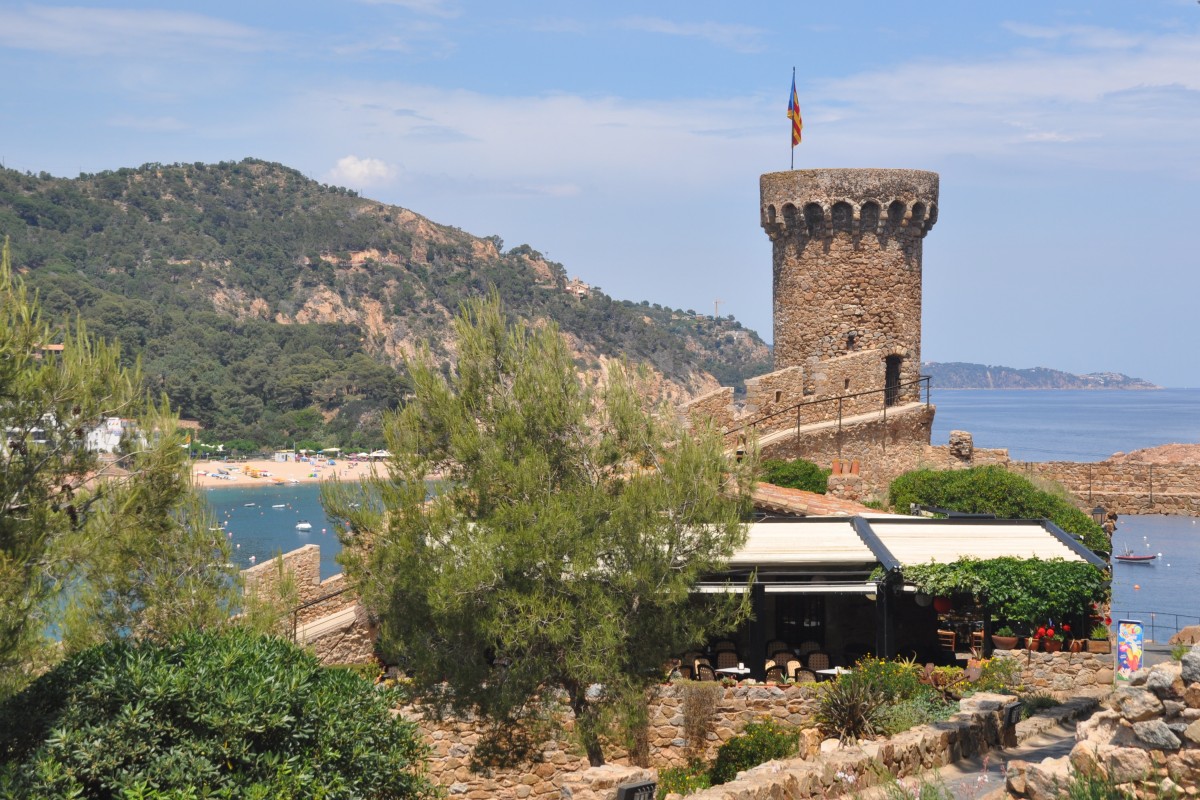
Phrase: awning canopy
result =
(834, 553)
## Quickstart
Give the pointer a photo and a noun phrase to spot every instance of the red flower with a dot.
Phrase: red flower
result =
(1050, 632)
(1066, 628)
(1108, 620)
(1041, 631)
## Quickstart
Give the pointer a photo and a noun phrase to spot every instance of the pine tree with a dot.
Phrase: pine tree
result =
(124, 545)
(559, 553)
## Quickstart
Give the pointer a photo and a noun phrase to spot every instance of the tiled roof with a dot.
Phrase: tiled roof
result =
(779, 500)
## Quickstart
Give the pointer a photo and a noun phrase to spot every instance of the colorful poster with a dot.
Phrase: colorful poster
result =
(1129, 648)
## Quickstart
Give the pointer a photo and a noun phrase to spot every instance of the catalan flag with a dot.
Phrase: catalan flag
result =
(794, 113)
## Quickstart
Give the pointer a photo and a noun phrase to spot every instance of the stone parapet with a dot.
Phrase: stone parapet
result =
(1062, 672)
(1127, 487)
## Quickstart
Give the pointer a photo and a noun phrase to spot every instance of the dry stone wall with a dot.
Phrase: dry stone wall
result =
(1061, 672)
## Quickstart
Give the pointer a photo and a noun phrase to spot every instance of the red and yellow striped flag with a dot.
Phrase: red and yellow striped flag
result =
(794, 114)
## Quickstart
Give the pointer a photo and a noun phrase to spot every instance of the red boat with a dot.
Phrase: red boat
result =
(1133, 558)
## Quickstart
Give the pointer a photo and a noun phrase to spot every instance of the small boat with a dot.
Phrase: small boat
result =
(279, 505)
(1130, 557)
(292, 480)
(304, 525)
(249, 505)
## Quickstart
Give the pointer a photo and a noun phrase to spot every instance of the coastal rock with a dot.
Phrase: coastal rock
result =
(1046, 780)
(1187, 635)
(1164, 679)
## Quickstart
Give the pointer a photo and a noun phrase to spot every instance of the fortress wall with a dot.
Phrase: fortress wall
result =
(1126, 488)
(303, 565)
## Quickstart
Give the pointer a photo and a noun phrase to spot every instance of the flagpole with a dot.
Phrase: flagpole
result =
(793, 147)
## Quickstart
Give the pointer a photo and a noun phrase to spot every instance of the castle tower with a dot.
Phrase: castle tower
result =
(847, 275)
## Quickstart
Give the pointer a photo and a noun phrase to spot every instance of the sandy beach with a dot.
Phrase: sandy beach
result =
(207, 474)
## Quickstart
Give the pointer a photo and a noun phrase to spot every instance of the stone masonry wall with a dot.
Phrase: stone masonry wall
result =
(1062, 671)
(454, 740)
(1126, 488)
(304, 566)
(847, 262)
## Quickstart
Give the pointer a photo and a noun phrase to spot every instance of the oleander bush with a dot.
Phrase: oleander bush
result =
(206, 715)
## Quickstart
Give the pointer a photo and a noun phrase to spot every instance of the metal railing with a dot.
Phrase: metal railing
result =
(889, 393)
(1159, 626)
(295, 612)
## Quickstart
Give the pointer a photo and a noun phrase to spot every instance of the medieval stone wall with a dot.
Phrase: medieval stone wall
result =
(1061, 672)
(847, 264)
(1125, 487)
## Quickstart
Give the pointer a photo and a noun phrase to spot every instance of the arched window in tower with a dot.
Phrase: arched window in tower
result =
(918, 215)
(843, 216)
(896, 214)
(891, 380)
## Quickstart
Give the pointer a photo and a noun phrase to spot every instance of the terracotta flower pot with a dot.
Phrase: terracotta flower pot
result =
(1052, 645)
(1033, 643)
(1004, 642)
(1075, 646)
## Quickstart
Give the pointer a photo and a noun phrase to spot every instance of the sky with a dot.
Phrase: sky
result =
(625, 139)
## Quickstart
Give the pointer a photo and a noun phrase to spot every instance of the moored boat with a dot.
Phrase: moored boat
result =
(304, 525)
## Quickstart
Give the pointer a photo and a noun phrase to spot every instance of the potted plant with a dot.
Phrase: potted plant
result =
(1052, 642)
(1003, 638)
(1099, 642)
(1034, 642)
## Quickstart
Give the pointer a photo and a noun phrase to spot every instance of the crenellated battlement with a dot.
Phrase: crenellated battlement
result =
(820, 203)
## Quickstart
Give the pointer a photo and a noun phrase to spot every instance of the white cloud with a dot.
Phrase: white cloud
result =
(359, 172)
(741, 38)
(123, 32)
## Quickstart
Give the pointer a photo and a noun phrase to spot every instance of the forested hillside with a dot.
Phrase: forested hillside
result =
(961, 375)
(273, 308)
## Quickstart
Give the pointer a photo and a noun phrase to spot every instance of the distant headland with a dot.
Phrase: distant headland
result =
(961, 375)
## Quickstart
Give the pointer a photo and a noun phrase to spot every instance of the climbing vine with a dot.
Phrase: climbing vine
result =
(1017, 589)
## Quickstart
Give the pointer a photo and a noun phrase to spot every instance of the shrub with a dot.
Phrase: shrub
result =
(798, 474)
(994, 490)
(228, 714)
(922, 709)
(997, 675)
(1038, 701)
(699, 701)
(761, 742)
(849, 706)
(899, 680)
(683, 780)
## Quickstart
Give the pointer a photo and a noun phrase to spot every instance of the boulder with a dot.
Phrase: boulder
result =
(1190, 667)
(1136, 705)
(1192, 732)
(1164, 679)
(1047, 780)
(1155, 734)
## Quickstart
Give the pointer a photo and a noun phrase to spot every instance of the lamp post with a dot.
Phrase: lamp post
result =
(1098, 514)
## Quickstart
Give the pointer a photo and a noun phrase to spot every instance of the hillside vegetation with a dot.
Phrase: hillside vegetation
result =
(273, 308)
(962, 375)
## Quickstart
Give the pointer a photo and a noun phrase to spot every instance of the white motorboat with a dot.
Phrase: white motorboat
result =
(304, 525)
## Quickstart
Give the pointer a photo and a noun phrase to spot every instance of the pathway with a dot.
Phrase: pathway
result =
(972, 778)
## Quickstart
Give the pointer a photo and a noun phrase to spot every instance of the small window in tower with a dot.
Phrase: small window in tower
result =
(846, 387)
(778, 395)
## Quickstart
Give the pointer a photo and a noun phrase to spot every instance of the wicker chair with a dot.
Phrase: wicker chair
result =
(807, 647)
(775, 674)
(818, 659)
(793, 667)
(782, 656)
(776, 645)
(704, 672)
(724, 644)
(727, 658)
(805, 676)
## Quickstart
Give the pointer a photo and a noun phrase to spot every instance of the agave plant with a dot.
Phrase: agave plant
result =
(849, 707)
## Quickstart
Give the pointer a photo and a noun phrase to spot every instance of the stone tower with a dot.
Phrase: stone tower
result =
(847, 275)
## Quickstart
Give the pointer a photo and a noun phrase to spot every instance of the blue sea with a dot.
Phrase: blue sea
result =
(1033, 425)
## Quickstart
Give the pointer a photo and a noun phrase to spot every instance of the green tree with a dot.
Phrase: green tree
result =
(994, 490)
(797, 474)
(223, 715)
(118, 539)
(560, 552)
